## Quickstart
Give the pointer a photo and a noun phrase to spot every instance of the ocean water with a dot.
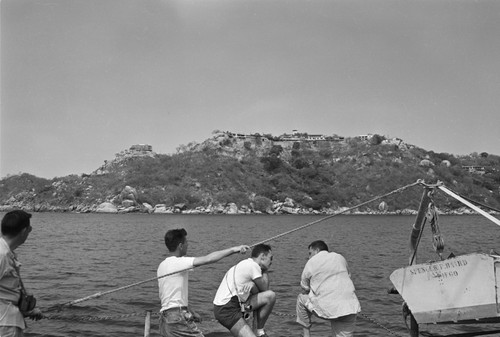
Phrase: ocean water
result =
(72, 256)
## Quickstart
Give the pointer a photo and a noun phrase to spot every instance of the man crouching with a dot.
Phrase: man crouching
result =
(245, 288)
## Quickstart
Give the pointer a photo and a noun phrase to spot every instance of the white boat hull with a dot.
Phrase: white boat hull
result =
(457, 290)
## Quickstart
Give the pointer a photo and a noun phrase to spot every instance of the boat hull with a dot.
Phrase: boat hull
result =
(462, 289)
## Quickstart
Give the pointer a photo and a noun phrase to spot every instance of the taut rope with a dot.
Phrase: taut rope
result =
(99, 294)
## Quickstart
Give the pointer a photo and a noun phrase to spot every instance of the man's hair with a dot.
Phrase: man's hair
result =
(14, 222)
(319, 244)
(173, 237)
(261, 248)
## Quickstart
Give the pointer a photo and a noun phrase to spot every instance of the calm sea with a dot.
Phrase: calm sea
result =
(71, 256)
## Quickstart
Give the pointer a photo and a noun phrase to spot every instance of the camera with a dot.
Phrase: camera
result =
(245, 310)
(188, 316)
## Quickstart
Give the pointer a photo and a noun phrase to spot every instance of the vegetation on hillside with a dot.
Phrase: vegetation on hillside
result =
(316, 175)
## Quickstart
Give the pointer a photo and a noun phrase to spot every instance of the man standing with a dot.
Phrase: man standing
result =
(328, 292)
(176, 318)
(245, 287)
(15, 230)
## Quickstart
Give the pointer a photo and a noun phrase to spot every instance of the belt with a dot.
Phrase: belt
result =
(174, 309)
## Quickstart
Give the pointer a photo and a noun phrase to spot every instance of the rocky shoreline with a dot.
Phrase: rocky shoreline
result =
(127, 202)
(279, 208)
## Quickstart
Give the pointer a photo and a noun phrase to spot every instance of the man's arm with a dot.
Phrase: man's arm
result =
(261, 283)
(218, 255)
(305, 280)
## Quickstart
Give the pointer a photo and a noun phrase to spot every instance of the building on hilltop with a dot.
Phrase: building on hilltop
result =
(136, 150)
(141, 147)
(474, 169)
(293, 137)
(365, 137)
(315, 137)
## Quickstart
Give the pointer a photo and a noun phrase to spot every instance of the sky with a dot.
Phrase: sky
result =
(82, 80)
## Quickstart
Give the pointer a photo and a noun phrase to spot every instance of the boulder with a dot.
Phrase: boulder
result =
(383, 206)
(129, 193)
(106, 207)
(127, 209)
(6, 208)
(179, 208)
(407, 211)
(128, 203)
(426, 163)
(289, 202)
(160, 208)
(232, 208)
(147, 207)
(219, 209)
(288, 210)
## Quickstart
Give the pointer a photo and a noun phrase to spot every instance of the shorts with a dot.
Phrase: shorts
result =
(11, 331)
(228, 314)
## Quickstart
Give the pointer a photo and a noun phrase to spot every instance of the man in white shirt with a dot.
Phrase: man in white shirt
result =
(328, 292)
(176, 318)
(16, 228)
(245, 288)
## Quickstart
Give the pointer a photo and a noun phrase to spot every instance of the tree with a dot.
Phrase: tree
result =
(376, 139)
(262, 204)
(276, 150)
(300, 163)
(271, 163)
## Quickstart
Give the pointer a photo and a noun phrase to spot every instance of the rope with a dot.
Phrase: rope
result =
(59, 307)
(465, 202)
(363, 316)
(76, 318)
(279, 314)
(95, 318)
(475, 201)
(99, 294)
(466, 334)
(394, 333)
(282, 314)
(437, 240)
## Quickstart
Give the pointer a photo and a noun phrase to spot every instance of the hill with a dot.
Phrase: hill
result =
(234, 173)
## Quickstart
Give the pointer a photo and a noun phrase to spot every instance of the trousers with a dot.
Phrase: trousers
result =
(174, 323)
(341, 326)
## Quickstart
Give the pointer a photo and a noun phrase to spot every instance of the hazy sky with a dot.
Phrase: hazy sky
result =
(82, 80)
